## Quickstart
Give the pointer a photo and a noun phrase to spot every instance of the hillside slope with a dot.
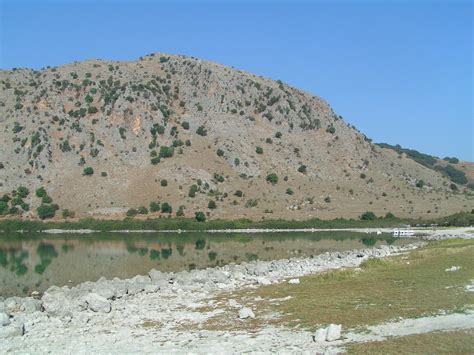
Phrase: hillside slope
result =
(192, 122)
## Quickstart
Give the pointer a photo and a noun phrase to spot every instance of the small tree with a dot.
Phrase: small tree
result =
(212, 205)
(88, 171)
(185, 125)
(220, 152)
(200, 217)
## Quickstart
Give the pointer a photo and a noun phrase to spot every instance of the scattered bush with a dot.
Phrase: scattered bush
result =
(220, 152)
(302, 169)
(363, 176)
(103, 174)
(3, 207)
(142, 210)
(368, 216)
(46, 199)
(192, 191)
(259, 150)
(327, 199)
(202, 131)
(23, 191)
(185, 125)
(166, 152)
(212, 205)
(132, 212)
(88, 171)
(67, 214)
(289, 191)
(164, 182)
(200, 216)
(46, 211)
(155, 160)
(420, 183)
(154, 207)
(238, 193)
(272, 178)
(166, 208)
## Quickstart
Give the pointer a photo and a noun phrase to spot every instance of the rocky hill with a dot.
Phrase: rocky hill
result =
(98, 138)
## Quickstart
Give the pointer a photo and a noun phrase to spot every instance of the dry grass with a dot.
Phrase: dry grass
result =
(406, 286)
(457, 342)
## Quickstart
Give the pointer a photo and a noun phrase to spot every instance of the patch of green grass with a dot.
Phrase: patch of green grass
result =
(456, 342)
(408, 286)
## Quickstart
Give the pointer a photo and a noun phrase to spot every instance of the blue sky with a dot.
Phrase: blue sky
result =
(400, 71)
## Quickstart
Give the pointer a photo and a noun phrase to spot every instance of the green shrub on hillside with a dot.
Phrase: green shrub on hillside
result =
(88, 171)
(272, 178)
(23, 191)
(154, 207)
(166, 208)
(202, 131)
(46, 211)
(200, 217)
(368, 216)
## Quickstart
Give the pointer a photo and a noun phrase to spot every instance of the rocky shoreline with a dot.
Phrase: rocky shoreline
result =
(112, 306)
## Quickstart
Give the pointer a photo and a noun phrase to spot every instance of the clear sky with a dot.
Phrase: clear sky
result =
(400, 71)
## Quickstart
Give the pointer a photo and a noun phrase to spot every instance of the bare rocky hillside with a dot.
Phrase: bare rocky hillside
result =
(98, 138)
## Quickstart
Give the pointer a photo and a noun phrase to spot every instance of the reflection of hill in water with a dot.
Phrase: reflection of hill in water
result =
(34, 263)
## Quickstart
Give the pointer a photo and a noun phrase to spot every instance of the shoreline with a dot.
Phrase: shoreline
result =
(105, 315)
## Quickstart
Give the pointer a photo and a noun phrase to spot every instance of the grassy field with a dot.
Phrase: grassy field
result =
(408, 286)
(457, 342)
(459, 219)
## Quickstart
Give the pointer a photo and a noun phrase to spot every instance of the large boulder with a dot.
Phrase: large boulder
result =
(56, 303)
(97, 303)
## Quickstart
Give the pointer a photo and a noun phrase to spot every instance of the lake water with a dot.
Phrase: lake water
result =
(29, 263)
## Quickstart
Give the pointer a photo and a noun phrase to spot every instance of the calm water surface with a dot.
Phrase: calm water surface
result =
(29, 262)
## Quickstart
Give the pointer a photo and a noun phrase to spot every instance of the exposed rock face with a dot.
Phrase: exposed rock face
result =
(202, 127)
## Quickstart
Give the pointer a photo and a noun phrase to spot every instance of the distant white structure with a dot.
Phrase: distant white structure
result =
(403, 232)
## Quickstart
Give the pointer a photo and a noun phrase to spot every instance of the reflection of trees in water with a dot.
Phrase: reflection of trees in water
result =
(67, 247)
(200, 244)
(46, 253)
(13, 259)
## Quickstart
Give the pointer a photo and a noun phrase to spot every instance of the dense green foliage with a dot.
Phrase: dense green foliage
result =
(459, 219)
